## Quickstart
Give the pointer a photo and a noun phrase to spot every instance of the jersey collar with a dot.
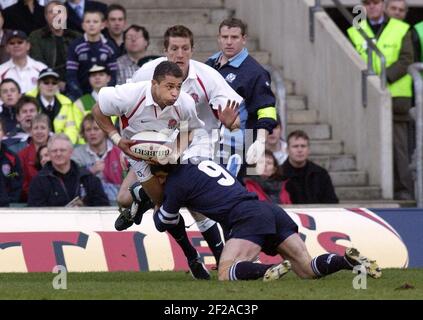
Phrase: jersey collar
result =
(234, 61)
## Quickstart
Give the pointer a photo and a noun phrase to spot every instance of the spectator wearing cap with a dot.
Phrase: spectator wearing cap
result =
(17, 139)
(136, 43)
(4, 35)
(10, 92)
(93, 48)
(21, 67)
(25, 15)
(99, 77)
(64, 116)
(50, 44)
(276, 144)
(77, 8)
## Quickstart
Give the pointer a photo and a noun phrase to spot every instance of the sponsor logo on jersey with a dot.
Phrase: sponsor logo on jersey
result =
(230, 77)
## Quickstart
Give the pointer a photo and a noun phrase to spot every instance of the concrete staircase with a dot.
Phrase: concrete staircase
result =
(350, 184)
(203, 18)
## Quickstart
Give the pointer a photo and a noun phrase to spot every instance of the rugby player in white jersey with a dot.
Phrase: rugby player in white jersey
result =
(209, 91)
(154, 105)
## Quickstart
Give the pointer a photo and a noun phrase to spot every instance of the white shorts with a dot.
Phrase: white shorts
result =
(141, 169)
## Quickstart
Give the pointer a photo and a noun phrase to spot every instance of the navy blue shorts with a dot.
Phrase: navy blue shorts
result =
(263, 223)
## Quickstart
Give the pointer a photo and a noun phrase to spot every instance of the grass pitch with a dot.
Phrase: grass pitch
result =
(394, 284)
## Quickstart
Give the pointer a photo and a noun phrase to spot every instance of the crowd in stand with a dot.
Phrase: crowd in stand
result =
(53, 153)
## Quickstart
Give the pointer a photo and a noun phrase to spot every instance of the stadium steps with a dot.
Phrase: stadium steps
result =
(350, 184)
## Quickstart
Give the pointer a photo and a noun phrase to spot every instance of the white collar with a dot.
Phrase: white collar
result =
(45, 102)
(109, 147)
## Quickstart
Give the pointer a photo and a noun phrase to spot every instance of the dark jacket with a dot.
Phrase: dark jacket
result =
(4, 199)
(18, 17)
(48, 190)
(310, 184)
(45, 47)
(74, 22)
(11, 170)
(8, 116)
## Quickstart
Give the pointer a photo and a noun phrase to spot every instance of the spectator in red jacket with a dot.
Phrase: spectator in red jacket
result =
(40, 130)
(269, 185)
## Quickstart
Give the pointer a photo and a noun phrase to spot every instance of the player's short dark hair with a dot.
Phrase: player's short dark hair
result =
(116, 7)
(9, 80)
(138, 28)
(23, 101)
(234, 23)
(179, 31)
(298, 134)
(99, 12)
(167, 68)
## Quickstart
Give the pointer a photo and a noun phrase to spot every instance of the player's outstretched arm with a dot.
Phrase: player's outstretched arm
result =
(106, 124)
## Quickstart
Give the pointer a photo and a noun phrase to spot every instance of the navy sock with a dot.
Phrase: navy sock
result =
(180, 235)
(246, 270)
(214, 240)
(326, 264)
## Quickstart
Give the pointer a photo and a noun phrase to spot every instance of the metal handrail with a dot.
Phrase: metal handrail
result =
(371, 46)
(280, 92)
(415, 70)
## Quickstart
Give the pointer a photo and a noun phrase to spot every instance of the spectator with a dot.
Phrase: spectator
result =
(17, 139)
(4, 35)
(99, 77)
(93, 48)
(276, 144)
(42, 157)
(269, 185)
(396, 9)
(77, 8)
(62, 183)
(115, 27)
(394, 40)
(136, 42)
(39, 136)
(99, 156)
(10, 170)
(50, 44)
(249, 79)
(306, 181)
(21, 67)
(10, 92)
(25, 15)
(64, 116)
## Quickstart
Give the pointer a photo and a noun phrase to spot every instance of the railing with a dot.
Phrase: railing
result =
(371, 47)
(280, 92)
(415, 70)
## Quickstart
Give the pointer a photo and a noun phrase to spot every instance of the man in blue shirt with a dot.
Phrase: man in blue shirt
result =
(251, 225)
(250, 80)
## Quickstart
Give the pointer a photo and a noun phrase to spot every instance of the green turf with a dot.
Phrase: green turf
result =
(179, 285)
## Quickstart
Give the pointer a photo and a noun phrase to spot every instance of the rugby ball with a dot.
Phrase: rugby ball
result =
(151, 146)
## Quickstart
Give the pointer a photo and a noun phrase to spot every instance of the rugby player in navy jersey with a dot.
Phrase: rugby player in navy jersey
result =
(252, 225)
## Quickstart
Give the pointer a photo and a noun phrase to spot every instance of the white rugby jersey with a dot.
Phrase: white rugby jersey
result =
(204, 84)
(138, 112)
